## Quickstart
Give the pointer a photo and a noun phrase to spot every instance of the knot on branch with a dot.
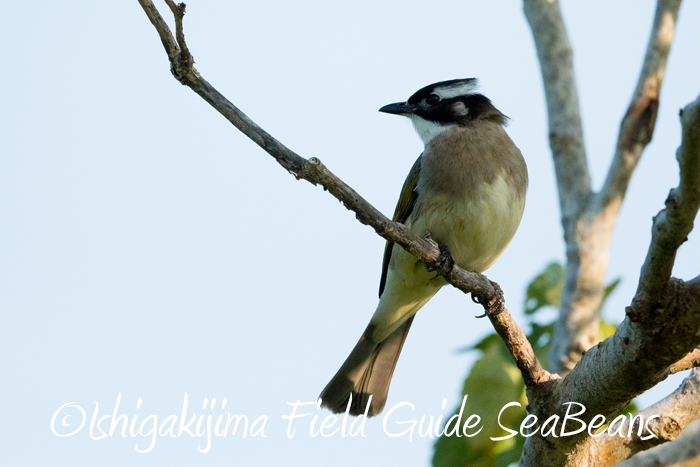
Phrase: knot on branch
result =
(662, 312)
(665, 428)
(181, 64)
(642, 119)
(311, 170)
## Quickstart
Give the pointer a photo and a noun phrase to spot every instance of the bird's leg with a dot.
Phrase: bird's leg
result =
(445, 263)
(493, 304)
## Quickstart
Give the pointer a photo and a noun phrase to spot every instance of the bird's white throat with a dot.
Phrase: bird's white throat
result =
(428, 130)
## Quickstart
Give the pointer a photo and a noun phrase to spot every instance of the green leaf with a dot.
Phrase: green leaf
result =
(608, 290)
(493, 382)
(606, 330)
(545, 289)
(540, 338)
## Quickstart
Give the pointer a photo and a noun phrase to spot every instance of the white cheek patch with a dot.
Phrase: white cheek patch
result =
(426, 129)
(454, 90)
(460, 109)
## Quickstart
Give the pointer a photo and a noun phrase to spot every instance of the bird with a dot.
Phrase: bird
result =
(466, 191)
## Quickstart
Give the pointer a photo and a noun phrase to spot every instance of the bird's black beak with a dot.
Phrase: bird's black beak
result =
(399, 108)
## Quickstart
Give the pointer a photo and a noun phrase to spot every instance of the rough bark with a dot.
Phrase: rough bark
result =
(684, 452)
(675, 412)
(692, 360)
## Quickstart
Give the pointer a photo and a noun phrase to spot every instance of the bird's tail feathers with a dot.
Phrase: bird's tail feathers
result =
(367, 371)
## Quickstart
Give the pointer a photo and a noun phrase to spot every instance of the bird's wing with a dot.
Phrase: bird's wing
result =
(407, 200)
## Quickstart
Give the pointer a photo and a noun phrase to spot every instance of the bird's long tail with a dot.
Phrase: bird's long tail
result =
(367, 371)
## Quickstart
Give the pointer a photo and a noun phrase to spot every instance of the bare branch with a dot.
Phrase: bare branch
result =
(682, 452)
(179, 13)
(161, 26)
(565, 129)
(692, 360)
(636, 358)
(580, 294)
(312, 170)
(673, 224)
(516, 341)
(638, 124)
(673, 413)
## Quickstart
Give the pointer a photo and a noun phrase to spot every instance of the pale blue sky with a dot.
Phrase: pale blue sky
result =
(148, 248)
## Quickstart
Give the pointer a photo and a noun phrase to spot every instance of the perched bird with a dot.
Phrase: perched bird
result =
(467, 191)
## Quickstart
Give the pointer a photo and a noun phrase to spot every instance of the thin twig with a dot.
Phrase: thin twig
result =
(179, 13)
(692, 360)
(516, 341)
(161, 26)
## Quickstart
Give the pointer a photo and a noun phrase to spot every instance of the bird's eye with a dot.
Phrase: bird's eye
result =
(433, 99)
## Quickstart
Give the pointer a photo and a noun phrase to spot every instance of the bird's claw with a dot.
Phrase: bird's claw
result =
(493, 305)
(445, 263)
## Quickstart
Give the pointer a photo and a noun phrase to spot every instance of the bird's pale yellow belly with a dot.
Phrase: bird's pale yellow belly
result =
(476, 229)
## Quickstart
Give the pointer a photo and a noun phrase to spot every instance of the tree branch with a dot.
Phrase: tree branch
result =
(589, 219)
(645, 346)
(312, 170)
(675, 412)
(161, 26)
(682, 452)
(638, 124)
(573, 179)
(673, 224)
(565, 129)
(516, 341)
(179, 13)
(692, 360)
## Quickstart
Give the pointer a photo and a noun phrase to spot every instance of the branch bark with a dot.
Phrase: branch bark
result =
(637, 126)
(565, 128)
(575, 327)
(589, 218)
(675, 412)
(692, 360)
(488, 293)
(683, 452)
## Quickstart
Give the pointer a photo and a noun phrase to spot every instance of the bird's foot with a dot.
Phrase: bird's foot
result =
(445, 263)
(494, 304)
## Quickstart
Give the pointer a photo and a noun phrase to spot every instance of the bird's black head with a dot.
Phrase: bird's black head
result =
(453, 102)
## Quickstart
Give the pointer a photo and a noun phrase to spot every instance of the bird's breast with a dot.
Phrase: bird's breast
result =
(471, 196)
